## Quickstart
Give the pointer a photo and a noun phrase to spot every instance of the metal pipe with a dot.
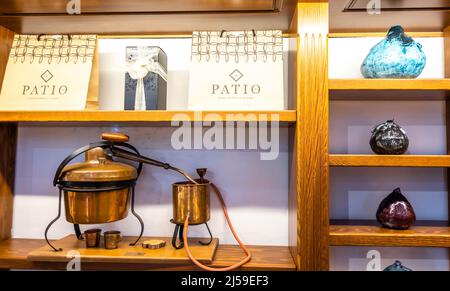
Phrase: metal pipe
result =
(124, 154)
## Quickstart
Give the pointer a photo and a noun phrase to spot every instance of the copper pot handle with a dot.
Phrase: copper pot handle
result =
(103, 145)
(115, 137)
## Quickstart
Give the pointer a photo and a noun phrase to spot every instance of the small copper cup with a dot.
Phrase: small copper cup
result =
(112, 239)
(92, 237)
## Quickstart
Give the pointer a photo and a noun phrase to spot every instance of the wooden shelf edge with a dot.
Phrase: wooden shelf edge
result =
(375, 235)
(389, 84)
(164, 36)
(436, 161)
(383, 34)
(13, 255)
(146, 116)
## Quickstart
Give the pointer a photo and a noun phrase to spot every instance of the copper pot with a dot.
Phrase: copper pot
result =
(97, 190)
(100, 190)
(192, 199)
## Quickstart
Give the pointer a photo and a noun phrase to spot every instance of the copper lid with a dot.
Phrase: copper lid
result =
(98, 167)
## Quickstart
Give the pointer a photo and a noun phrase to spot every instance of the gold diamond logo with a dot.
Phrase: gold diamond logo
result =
(236, 75)
(46, 76)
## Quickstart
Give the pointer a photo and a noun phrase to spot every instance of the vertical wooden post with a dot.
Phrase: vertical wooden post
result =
(447, 105)
(447, 51)
(311, 138)
(294, 189)
(8, 138)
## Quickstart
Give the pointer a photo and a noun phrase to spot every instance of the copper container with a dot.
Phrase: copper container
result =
(112, 239)
(193, 199)
(84, 206)
(92, 237)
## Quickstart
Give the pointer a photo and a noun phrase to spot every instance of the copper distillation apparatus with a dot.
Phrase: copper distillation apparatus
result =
(102, 190)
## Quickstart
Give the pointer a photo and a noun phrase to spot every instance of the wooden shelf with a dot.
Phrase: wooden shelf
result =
(382, 34)
(390, 84)
(349, 20)
(145, 116)
(426, 161)
(18, 7)
(146, 16)
(13, 255)
(374, 235)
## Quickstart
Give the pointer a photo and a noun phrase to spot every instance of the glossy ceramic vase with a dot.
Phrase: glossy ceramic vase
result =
(397, 267)
(396, 212)
(389, 138)
(397, 56)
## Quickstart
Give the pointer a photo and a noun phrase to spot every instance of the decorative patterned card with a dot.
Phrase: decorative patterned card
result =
(48, 73)
(241, 70)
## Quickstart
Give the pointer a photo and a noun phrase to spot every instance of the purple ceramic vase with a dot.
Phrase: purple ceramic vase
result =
(396, 212)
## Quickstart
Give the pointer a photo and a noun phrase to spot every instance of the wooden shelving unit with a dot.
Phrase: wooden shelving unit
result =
(430, 161)
(310, 23)
(370, 233)
(153, 19)
(13, 255)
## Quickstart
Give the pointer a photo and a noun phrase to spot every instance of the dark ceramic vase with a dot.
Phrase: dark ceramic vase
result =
(396, 212)
(389, 139)
(397, 267)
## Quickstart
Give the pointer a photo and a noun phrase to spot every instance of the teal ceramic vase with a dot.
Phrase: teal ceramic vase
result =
(397, 267)
(397, 56)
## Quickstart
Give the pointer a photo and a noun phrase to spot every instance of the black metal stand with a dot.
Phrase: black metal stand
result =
(141, 222)
(78, 233)
(178, 232)
(210, 237)
(53, 221)
(77, 226)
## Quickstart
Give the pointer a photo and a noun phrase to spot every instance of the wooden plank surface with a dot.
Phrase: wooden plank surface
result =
(395, 5)
(120, 6)
(437, 161)
(361, 21)
(382, 34)
(125, 253)
(145, 116)
(390, 84)
(14, 252)
(389, 95)
(375, 235)
(167, 22)
(312, 136)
